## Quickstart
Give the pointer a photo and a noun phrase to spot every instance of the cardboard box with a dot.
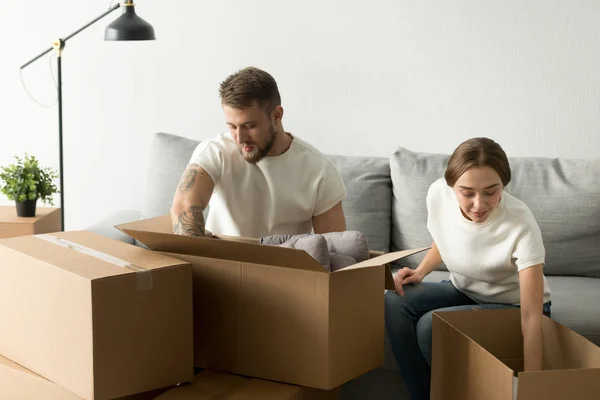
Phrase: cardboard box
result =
(478, 353)
(212, 385)
(275, 313)
(18, 383)
(101, 318)
(47, 219)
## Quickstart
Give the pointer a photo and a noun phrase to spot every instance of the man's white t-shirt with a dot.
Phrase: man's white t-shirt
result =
(277, 195)
(484, 259)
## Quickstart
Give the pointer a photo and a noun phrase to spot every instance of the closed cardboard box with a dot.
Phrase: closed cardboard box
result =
(18, 383)
(101, 318)
(478, 354)
(275, 313)
(212, 385)
(47, 219)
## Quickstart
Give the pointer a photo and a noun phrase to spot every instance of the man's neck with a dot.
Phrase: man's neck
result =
(282, 143)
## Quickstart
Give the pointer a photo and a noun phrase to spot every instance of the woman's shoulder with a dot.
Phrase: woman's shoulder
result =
(438, 187)
(438, 193)
(518, 210)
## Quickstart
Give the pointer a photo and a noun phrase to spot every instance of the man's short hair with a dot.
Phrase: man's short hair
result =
(247, 86)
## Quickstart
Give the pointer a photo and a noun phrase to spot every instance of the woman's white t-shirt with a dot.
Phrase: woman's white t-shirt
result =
(484, 259)
(277, 195)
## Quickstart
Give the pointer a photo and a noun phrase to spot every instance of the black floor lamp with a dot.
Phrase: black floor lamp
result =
(127, 27)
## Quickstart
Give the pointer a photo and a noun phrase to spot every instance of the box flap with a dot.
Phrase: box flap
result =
(157, 235)
(19, 383)
(582, 384)
(498, 331)
(6, 363)
(457, 365)
(161, 224)
(566, 349)
(383, 259)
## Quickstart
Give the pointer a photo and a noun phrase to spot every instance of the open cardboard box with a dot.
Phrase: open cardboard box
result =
(477, 354)
(275, 313)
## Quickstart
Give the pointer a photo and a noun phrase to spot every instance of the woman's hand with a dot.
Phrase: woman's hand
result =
(406, 276)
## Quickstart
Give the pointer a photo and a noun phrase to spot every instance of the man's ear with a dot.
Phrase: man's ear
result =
(277, 114)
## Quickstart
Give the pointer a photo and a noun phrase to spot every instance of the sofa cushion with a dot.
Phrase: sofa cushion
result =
(563, 195)
(412, 174)
(575, 304)
(368, 204)
(169, 156)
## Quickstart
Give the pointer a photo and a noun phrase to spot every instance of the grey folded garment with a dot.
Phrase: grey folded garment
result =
(314, 245)
(333, 250)
(348, 243)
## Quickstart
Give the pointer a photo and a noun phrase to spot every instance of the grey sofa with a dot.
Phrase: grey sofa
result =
(386, 201)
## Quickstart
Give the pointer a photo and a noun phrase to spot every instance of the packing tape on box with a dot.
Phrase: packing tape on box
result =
(143, 276)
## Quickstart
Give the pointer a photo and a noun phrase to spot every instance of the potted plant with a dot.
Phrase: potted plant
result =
(25, 182)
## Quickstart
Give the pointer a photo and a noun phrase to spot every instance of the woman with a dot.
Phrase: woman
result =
(492, 246)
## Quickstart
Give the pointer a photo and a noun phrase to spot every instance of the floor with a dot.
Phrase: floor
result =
(381, 384)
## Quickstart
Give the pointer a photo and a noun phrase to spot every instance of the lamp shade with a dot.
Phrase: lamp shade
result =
(129, 27)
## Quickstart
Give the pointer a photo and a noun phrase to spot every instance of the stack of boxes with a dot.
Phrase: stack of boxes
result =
(87, 317)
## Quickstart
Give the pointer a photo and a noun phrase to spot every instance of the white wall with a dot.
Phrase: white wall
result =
(356, 77)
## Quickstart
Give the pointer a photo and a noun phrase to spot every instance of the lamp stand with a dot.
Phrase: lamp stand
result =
(127, 27)
(58, 45)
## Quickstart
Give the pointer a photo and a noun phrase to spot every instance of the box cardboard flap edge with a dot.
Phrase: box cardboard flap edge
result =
(384, 259)
(157, 235)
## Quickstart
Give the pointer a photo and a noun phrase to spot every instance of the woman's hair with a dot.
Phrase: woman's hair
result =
(477, 152)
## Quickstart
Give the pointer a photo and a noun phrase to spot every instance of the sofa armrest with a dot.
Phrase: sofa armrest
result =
(106, 226)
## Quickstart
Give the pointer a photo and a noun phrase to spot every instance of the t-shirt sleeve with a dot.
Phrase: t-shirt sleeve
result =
(209, 156)
(331, 190)
(432, 202)
(529, 249)
(428, 198)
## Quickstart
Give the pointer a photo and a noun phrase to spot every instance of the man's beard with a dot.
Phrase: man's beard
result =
(258, 153)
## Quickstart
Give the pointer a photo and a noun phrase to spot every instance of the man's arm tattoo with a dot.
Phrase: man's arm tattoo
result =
(189, 177)
(190, 222)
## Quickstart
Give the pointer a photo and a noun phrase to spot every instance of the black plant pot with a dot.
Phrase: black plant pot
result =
(26, 208)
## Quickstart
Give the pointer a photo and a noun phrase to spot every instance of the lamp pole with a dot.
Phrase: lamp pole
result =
(58, 45)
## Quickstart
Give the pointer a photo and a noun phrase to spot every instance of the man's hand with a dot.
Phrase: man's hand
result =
(406, 276)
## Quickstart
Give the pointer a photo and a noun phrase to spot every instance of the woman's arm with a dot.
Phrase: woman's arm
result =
(430, 262)
(532, 297)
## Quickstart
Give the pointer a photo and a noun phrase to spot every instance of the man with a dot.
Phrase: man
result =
(258, 179)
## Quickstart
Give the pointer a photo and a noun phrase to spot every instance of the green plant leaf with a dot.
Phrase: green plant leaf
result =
(25, 179)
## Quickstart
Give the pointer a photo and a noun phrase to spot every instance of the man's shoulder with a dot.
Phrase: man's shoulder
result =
(221, 141)
(217, 145)
(302, 147)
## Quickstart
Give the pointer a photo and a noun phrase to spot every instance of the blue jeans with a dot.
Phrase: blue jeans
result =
(408, 323)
